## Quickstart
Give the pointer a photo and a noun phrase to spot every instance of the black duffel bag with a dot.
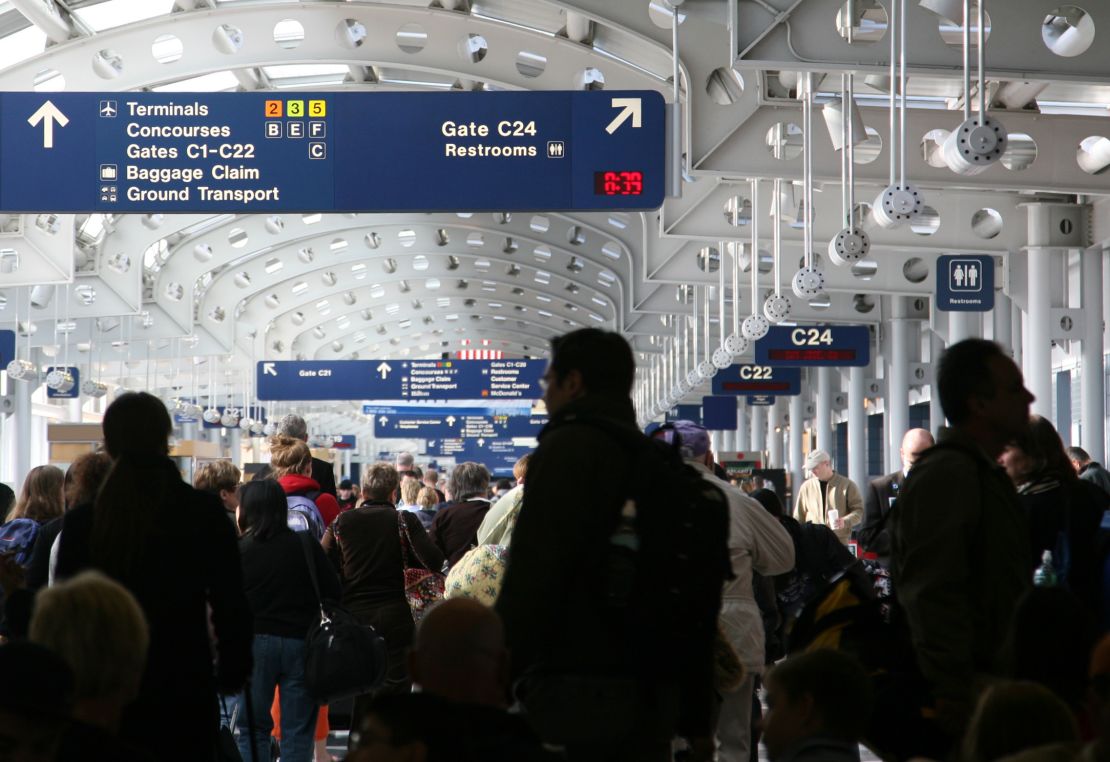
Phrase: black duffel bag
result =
(342, 656)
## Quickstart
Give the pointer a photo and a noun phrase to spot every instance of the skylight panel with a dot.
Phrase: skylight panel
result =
(113, 13)
(22, 45)
(217, 81)
(285, 71)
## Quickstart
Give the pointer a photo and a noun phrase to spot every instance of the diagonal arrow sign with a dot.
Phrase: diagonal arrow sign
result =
(48, 113)
(268, 369)
(630, 107)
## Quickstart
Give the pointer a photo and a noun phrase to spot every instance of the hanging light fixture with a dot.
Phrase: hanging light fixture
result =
(900, 202)
(777, 307)
(722, 358)
(852, 243)
(755, 326)
(706, 368)
(808, 281)
(736, 343)
(980, 140)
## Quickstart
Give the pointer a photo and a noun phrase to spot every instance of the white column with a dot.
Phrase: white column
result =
(256, 449)
(1017, 332)
(743, 439)
(1092, 379)
(73, 410)
(715, 441)
(21, 394)
(823, 423)
(897, 418)
(235, 444)
(775, 459)
(1038, 348)
(857, 427)
(963, 325)
(1003, 322)
(759, 429)
(936, 415)
(797, 424)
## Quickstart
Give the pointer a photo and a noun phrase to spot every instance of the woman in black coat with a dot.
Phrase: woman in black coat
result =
(173, 548)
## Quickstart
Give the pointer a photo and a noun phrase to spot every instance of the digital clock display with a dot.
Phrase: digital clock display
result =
(612, 183)
(846, 356)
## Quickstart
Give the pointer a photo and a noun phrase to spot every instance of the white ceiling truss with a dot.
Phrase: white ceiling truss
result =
(336, 286)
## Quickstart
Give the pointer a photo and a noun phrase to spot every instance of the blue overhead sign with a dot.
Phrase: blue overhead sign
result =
(760, 400)
(7, 348)
(400, 379)
(834, 345)
(758, 379)
(684, 413)
(718, 413)
(331, 151)
(965, 283)
(440, 423)
(73, 390)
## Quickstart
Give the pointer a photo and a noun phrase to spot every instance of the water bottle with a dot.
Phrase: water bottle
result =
(1045, 574)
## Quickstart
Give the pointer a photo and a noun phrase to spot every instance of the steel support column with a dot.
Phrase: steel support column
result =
(21, 395)
(235, 444)
(857, 427)
(822, 425)
(743, 440)
(963, 325)
(1017, 333)
(759, 429)
(774, 433)
(797, 424)
(1093, 378)
(897, 418)
(716, 442)
(1038, 348)
(936, 414)
(1003, 322)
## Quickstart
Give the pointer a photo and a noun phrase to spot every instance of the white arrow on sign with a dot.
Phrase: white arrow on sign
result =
(481, 442)
(431, 443)
(383, 420)
(384, 370)
(630, 107)
(268, 369)
(48, 113)
(450, 420)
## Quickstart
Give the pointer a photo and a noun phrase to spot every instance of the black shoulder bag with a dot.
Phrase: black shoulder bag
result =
(342, 657)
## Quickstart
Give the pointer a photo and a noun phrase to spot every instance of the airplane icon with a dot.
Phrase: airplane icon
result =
(108, 109)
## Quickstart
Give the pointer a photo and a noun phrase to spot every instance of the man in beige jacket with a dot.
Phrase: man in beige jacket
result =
(828, 497)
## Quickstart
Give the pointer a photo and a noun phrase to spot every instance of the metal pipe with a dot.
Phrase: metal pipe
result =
(807, 148)
(981, 36)
(755, 246)
(902, 95)
(967, 59)
(893, 88)
(898, 381)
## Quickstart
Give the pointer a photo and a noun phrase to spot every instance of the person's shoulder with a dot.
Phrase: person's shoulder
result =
(881, 482)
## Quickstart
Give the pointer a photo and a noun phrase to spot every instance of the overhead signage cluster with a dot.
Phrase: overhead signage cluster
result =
(289, 380)
(331, 151)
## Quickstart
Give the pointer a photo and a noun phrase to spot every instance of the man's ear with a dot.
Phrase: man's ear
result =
(573, 384)
(809, 712)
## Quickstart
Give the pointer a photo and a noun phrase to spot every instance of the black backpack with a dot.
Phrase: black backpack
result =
(668, 559)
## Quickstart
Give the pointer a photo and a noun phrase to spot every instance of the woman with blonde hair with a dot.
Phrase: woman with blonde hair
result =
(291, 464)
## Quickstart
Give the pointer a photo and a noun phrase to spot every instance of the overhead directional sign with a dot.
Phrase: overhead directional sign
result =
(70, 379)
(718, 413)
(400, 379)
(760, 400)
(456, 423)
(835, 345)
(684, 413)
(7, 348)
(965, 283)
(758, 379)
(331, 151)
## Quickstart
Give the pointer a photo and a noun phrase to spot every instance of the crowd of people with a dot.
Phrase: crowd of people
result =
(618, 600)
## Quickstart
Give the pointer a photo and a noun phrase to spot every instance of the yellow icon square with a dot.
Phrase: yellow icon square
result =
(273, 109)
(294, 108)
(317, 108)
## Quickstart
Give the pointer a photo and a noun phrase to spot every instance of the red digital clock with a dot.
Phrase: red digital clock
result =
(618, 183)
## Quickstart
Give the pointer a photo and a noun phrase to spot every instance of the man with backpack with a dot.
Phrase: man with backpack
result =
(756, 542)
(960, 539)
(613, 590)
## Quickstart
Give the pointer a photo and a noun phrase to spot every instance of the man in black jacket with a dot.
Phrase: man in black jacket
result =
(323, 474)
(882, 492)
(563, 640)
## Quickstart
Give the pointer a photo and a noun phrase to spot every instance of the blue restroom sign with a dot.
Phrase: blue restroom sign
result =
(965, 283)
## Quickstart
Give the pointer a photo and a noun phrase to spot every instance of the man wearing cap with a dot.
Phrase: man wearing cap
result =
(756, 542)
(828, 498)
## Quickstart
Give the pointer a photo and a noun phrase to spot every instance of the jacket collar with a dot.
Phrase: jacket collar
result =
(957, 437)
(613, 407)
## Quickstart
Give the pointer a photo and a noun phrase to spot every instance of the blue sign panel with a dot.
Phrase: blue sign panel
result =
(760, 400)
(73, 392)
(331, 151)
(763, 379)
(965, 283)
(718, 413)
(834, 345)
(400, 379)
(441, 423)
(684, 413)
(7, 348)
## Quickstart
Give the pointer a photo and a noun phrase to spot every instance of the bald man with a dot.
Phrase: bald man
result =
(882, 492)
(460, 654)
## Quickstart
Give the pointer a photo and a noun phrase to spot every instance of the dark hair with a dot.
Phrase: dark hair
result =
(1042, 444)
(84, 477)
(603, 358)
(503, 484)
(1078, 453)
(1013, 717)
(964, 371)
(768, 500)
(263, 509)
(125, 515)
(840, 688)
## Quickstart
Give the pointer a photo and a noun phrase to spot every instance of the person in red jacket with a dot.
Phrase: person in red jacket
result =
(291, 462)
